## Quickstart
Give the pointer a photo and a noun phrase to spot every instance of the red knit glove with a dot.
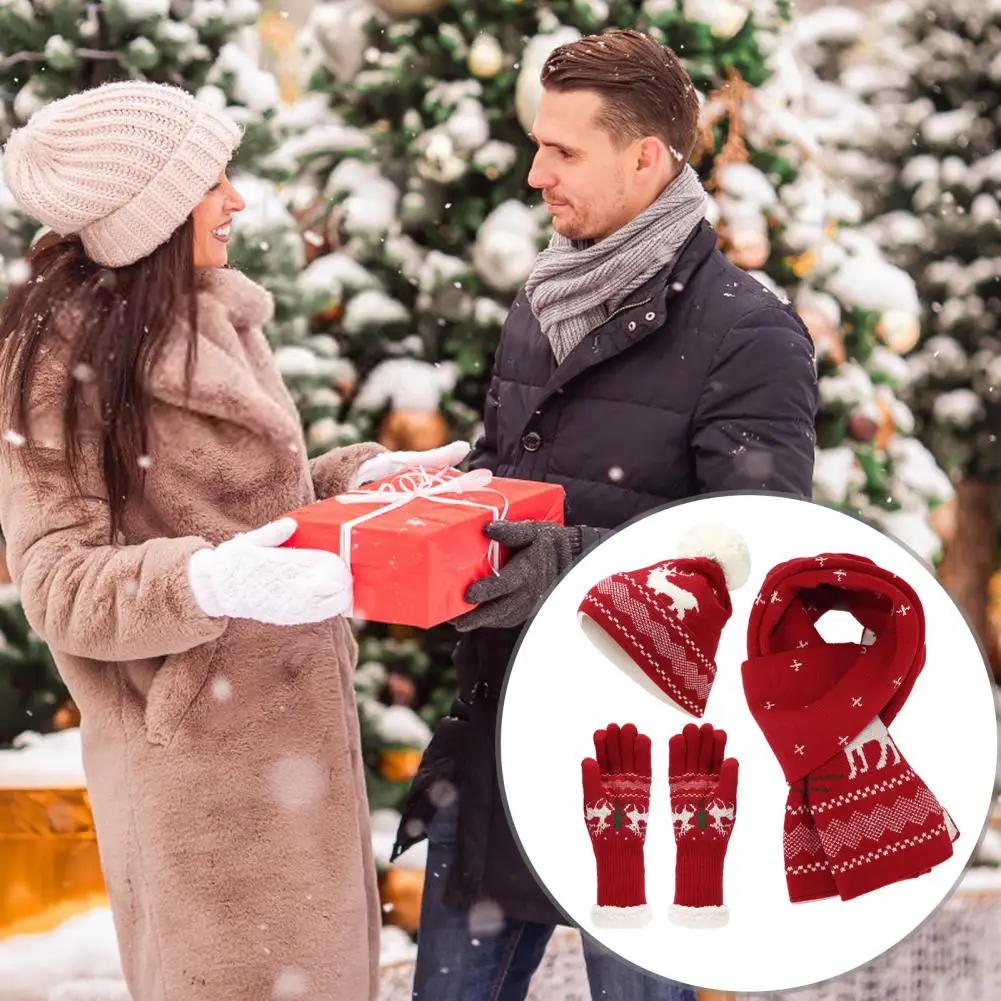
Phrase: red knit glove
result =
(616, 803)
(703, 808)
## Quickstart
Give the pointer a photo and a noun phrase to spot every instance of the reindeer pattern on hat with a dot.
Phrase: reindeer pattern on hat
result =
(682, 601)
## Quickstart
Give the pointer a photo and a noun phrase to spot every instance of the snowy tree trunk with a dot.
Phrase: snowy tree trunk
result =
(970, 558)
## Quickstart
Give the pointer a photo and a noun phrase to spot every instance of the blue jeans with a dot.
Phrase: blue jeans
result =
(465, 957)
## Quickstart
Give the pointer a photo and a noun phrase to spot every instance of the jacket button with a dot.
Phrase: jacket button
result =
(532, 441)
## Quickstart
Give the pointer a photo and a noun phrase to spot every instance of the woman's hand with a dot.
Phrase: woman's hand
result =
(390, 463)
(251, 577)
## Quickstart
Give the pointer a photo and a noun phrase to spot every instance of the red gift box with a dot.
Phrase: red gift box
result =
(415, 540)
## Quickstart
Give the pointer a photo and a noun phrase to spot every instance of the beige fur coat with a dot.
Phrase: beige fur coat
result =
(222, 756)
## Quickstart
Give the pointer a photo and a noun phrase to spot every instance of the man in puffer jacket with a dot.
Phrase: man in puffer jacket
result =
(637, 367)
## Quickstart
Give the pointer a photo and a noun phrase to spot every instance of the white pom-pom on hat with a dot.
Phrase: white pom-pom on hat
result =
(723, 545)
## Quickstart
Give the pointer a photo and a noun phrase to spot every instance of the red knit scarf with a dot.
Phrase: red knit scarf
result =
(857, 816)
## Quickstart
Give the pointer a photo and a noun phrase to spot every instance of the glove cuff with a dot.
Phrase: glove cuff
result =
(200, 581)
(621, 917)
(699, 917)
(576, 538)
(698, 875)
(621, 874)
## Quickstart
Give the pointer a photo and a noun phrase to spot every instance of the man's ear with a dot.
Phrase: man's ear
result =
(654, 158)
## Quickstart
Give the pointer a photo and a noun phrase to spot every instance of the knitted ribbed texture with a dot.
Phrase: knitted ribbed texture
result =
(122, 165)
(703, 809)
(616, 786)
(857, 816)
(574, 285)
(667, 618)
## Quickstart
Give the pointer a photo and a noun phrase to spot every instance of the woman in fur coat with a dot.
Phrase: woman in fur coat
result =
(150, 447)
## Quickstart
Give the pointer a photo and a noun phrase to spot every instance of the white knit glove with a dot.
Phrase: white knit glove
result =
(248, 577)
(390, 463)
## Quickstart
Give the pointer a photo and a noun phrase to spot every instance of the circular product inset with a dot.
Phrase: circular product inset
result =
(835, 743)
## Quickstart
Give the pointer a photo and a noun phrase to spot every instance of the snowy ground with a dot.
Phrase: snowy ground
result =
(78, 961)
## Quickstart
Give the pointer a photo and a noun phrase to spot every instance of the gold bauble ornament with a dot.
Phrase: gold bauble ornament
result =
(409, 8)
(486, 57)
(887, 426)
(400, 891)
(66, 717)
(802, 264)
(413, 430)
(330, 315)
(399, 764)
(899, 330)
(943, 521)
(826, 335)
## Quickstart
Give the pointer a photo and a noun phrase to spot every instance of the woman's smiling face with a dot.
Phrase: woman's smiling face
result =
(211, 218)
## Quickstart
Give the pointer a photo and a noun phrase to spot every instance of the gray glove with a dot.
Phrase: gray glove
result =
(540, 553)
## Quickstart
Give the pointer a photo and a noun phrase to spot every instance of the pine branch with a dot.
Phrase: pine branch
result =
(40, 57)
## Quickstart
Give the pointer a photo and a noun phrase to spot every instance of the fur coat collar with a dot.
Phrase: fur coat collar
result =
(235, 378)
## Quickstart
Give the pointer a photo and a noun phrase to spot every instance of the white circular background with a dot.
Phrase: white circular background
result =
(561, 689)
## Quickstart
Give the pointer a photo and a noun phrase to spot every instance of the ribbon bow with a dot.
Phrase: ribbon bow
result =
(442, 486)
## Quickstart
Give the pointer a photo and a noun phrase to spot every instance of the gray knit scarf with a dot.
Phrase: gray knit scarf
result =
(576, 284)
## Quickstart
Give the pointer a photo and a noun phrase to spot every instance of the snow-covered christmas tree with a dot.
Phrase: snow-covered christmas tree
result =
(420, 228)
(917, 86)
(51, 49)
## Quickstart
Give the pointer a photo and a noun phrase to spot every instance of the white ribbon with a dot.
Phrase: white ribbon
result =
(440, 487)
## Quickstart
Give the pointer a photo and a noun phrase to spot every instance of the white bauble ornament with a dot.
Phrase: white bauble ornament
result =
(439, 160)
(724, 18)
(467, 126)
(410, 8)
(486, 57)
(528, 89)
(506, 246)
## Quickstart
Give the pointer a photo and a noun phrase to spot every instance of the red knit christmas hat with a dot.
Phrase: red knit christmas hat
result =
(665, 619)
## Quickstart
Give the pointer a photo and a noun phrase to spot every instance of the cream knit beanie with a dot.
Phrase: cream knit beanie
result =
(122, 164)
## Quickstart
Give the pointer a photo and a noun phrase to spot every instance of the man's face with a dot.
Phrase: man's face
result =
(590, 186)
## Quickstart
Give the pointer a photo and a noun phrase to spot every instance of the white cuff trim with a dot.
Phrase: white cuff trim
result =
(700, 917)
(621, 917)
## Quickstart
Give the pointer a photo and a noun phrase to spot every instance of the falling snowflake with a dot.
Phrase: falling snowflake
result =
(486, 918)
(297, 783)
(442, 793)
(291, 983)
(15, 439)
(222, 689)
(615, 474)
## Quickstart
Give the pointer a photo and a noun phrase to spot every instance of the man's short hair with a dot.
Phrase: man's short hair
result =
(644, 88)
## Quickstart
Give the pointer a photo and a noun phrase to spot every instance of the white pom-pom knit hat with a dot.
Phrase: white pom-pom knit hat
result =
(662, 623)
(122, 165)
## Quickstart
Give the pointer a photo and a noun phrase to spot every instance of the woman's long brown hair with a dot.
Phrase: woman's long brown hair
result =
(121, 320)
